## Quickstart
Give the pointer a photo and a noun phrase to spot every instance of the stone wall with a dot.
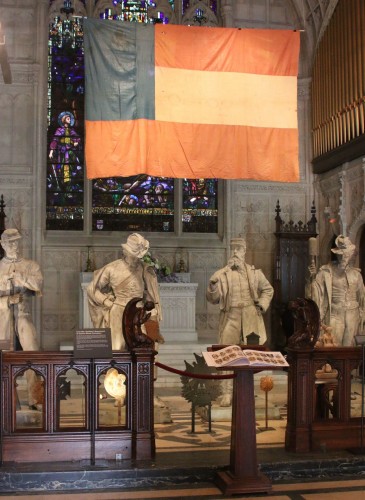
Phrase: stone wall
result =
(248, 208)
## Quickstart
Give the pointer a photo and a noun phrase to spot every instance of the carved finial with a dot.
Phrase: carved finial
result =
(278, 218)
(89, 266)
(312, 224)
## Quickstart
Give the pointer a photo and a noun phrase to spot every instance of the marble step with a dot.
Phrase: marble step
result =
(174, 355)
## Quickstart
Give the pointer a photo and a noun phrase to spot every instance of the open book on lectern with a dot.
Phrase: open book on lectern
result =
(233, 355)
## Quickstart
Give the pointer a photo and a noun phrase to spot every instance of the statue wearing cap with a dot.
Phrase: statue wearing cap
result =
(20, 279)
(114, 285)
(244, 295)
(338, 290)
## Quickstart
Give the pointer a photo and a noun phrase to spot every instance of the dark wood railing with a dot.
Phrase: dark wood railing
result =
(71, 416)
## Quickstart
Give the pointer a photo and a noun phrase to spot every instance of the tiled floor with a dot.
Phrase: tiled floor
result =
(177, 445)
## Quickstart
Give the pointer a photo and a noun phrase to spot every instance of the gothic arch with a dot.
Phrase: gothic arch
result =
(207, 18)
(57, 5)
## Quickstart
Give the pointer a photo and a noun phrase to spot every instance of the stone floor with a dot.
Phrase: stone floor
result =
(188, 457)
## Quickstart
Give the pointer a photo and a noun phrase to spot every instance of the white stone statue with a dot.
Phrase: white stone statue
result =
(243, 294)
(338, 290)
(114, 285)
(20, 279)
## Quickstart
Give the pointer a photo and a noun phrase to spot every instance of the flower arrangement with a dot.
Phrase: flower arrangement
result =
(163, 271)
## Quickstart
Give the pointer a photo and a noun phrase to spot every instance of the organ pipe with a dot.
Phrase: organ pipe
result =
(338, 80)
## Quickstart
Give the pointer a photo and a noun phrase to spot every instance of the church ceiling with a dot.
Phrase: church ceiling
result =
(314, 14)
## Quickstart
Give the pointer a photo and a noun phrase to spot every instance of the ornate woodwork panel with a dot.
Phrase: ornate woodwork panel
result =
(34, 434)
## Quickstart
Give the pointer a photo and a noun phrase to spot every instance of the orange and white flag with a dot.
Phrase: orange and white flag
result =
(191, 102)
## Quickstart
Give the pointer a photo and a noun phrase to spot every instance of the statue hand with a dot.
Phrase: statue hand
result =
(213, 282)
(109, 301)
(258, 308)
(17, 298)
(312, 270)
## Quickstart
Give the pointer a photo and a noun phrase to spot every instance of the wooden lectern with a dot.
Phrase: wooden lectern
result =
(243, 475)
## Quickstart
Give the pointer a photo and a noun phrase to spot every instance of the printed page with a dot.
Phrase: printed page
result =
(225, 356)
(235, 356)
(265, 358)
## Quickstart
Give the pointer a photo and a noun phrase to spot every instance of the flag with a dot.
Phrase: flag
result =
(190, 102)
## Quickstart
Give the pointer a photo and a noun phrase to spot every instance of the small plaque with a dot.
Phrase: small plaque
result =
(93, 343)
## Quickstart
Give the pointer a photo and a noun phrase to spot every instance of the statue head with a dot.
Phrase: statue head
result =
(344, 250)
(10, 235)
(238, 242)
(238, 252)
(136, 245)
(10, 242)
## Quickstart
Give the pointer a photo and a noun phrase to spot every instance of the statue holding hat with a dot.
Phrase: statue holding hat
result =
(244, 295)
(338, 290)
(114, 285)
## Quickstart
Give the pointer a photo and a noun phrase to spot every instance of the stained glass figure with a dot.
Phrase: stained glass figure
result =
(200, 206)
(65, 164)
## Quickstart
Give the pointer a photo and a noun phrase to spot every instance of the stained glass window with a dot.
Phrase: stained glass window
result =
(200, 206)
(130, 11)
(138, 203)
(65, 163)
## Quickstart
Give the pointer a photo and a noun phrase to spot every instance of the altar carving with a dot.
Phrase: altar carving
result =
(178, 302)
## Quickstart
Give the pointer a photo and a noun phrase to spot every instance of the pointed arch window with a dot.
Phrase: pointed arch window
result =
(138, 203)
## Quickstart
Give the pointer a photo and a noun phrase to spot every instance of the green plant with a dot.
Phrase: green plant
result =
(163, 271)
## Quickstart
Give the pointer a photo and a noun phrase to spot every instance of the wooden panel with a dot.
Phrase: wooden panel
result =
(134, 439)
(307, 429)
